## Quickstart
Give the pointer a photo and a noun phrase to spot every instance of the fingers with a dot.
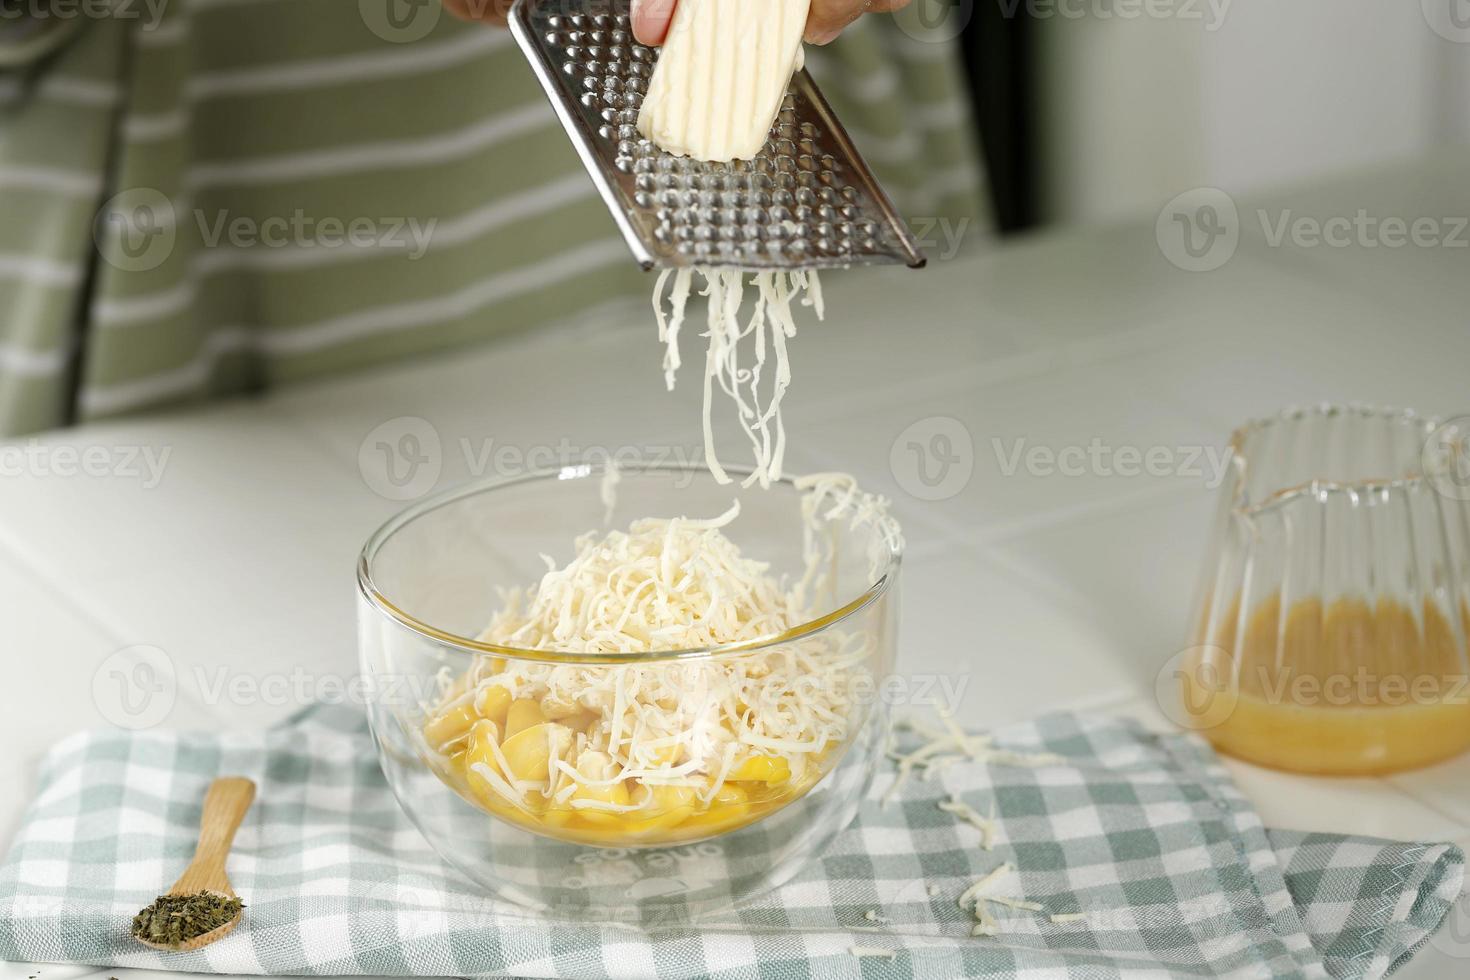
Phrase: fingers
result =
(830, 17)
(488, 11)
(651, 20)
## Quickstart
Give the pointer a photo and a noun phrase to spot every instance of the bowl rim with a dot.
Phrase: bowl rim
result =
(1282, 496)
(375, 598)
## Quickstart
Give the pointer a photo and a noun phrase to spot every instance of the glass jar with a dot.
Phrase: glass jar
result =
(1329, 635)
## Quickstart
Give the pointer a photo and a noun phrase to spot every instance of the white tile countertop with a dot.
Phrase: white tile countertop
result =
(1032, 588)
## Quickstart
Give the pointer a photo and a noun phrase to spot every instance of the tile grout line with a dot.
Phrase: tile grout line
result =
(17, 557)
(1392, 781)
(1105, 702)
(1026, 365)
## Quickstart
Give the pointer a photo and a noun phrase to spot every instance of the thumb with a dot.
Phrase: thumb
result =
(651, 20)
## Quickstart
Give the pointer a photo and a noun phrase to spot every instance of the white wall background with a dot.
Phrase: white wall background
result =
(1239, 94)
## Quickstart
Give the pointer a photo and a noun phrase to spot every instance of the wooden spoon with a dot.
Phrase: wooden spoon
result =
(224, 808)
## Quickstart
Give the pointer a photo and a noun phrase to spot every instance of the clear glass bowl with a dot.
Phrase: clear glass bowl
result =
(1329, 635)
(428, 586)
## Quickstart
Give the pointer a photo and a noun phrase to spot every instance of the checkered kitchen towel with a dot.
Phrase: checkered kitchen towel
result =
(1139, 842)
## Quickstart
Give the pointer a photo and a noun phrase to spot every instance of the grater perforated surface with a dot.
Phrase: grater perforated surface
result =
(807, 201)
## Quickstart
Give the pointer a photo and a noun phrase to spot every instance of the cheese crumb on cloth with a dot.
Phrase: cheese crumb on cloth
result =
(1136, 844)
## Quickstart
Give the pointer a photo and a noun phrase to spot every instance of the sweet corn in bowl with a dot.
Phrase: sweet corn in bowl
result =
(652, 691)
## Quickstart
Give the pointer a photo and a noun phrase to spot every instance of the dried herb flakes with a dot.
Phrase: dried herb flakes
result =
(173, 920)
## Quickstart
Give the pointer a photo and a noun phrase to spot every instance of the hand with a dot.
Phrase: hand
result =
(827, 20)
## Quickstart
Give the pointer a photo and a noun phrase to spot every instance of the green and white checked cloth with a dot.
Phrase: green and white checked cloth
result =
(1156, 864)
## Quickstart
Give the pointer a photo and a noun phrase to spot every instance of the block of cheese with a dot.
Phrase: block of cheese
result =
(721, 77)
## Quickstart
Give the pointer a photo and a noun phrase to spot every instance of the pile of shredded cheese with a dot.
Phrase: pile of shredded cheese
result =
(770, 326)
(679, 584)
(676, 584)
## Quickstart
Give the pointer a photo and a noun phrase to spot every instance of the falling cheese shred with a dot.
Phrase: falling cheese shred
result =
(755, 389)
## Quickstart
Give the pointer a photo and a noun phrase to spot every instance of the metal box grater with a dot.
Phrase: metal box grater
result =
(808, 201)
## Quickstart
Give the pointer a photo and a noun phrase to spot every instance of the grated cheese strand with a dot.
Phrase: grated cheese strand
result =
(969, 897)
(607, 489)
(1020, 904)
(877, 951)
(986, 825)
(987, 924)
(771, 324)
(952, 745)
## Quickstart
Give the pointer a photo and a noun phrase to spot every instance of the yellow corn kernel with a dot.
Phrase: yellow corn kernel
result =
(659, 800)
(667, 755)
(728, 795)
(659, 825)
(557, 709)
(582, 721)
(494, 703)
(717, 820)
(557, 816)
(767, 769)
(450, 725)
(528, 752)
(480, 753)
(601, 818)
(522, 714)
(452, 771)
(482, 736)
(597, 767)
